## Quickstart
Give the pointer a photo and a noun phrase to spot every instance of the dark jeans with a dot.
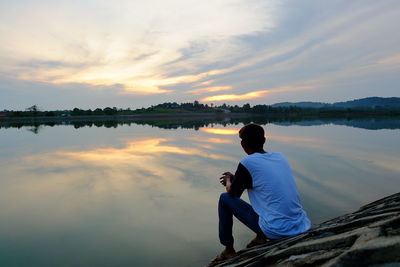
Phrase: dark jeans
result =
(228, 206)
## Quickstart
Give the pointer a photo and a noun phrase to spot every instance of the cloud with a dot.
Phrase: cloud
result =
(162, 51)
(255, 94)
(338, 51)
(210, 89)
(125, 43)
(392, 60)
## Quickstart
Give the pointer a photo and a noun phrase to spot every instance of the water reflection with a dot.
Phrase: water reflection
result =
(221, 131)
(211, 140)
(295, 140)
(113, 196)
(133, 199)
(139, 152)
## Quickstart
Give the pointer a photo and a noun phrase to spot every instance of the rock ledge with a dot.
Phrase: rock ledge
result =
(369, 236)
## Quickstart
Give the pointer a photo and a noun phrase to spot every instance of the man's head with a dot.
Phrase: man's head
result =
(252, 136)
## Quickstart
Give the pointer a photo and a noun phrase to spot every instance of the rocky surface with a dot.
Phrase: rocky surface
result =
(367, 237)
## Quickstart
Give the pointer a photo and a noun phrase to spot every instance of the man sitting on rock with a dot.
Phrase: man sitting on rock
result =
(275, 211)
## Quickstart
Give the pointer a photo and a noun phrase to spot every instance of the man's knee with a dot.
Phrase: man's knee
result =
(226, 200)
(224, 196)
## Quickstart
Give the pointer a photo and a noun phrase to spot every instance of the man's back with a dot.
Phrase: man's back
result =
(274, 196)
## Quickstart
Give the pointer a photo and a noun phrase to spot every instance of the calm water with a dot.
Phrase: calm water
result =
(138, 195)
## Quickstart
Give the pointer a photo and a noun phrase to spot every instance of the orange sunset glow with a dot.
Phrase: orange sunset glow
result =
(234, 97)
(257, 94)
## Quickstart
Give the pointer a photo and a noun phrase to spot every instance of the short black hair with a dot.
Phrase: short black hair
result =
(252, 135)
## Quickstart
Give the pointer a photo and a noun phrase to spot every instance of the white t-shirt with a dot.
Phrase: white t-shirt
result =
(273, 194)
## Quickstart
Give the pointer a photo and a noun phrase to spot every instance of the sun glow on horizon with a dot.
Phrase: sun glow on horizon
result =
(235, 97)
(255, 94)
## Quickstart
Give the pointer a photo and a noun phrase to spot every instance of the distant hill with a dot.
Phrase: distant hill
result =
(369, 102)
(373, 102)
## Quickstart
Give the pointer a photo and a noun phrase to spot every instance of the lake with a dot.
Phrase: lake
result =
(145, 194)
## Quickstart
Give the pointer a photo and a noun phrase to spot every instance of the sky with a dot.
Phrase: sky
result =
(60, 54)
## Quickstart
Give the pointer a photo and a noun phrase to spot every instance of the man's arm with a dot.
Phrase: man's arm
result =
(236, 183)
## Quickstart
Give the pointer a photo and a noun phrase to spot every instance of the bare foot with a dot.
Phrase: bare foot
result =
(228, 253)
(258, 240)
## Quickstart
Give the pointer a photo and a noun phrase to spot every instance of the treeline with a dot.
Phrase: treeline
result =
(174, 107)
(196, 107)
(35, 112)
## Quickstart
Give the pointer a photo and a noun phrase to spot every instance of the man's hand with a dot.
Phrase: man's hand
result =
(226, 178)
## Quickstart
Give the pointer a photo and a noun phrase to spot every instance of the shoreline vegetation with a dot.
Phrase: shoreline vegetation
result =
(376, 106)
(195, 115)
